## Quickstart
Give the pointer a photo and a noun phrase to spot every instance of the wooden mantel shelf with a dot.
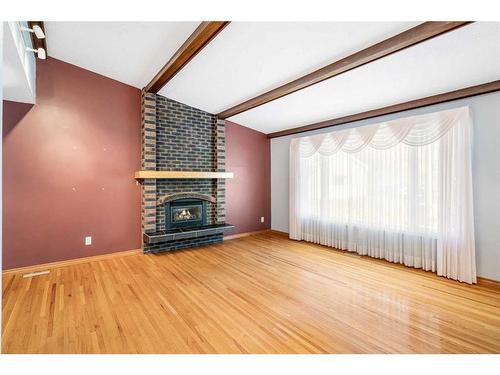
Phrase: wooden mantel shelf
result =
(140, 175)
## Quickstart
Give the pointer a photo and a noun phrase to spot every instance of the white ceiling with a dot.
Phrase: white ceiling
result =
(249, 58)
(130, 52)
(461, 58)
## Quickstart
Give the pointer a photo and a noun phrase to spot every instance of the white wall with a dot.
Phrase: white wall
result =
(485, 168)
(19, 66)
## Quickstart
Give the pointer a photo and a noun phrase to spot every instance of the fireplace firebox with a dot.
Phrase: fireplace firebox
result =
(183, 213)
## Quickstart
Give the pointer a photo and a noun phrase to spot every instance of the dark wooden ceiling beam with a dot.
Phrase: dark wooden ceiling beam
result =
(415, 35)
(422, 102)
(38, 43)
(203, 34)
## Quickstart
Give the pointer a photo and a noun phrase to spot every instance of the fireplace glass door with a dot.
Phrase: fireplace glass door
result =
(185, 213)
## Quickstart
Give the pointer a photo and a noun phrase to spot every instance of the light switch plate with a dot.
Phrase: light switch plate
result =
(88, 240)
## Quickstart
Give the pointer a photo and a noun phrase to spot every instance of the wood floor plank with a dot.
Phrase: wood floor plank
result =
(255, 294)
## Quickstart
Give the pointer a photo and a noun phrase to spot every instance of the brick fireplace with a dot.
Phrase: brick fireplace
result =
(177, 137)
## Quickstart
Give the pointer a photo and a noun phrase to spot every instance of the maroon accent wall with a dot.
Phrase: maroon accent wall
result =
(248, 194)
(68, 167)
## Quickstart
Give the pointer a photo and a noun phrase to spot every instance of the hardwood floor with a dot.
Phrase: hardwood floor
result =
(258, 294)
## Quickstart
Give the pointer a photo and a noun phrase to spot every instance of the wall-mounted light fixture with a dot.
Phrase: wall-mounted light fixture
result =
(40, 52)
(37, 30)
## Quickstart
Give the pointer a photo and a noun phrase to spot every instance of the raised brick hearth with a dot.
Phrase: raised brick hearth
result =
(177, 137)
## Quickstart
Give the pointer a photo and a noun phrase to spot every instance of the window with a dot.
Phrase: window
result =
(394, 189)
(400, 190)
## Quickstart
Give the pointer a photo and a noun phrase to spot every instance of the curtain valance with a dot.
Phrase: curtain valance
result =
(414, 131)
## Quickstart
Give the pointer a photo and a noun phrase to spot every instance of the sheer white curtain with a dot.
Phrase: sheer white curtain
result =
(399, 190)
